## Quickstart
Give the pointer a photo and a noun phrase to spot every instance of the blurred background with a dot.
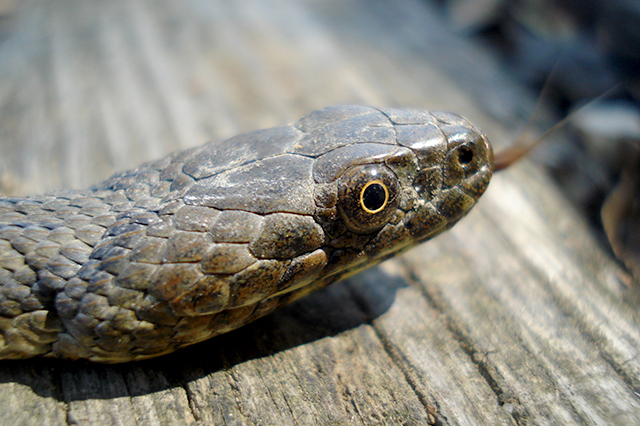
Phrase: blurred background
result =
(580, 49)
(90, 88)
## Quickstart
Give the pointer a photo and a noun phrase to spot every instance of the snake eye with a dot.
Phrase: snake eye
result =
(367, 197)
(374, 197)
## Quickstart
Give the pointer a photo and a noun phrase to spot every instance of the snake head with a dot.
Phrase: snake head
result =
(455, 164)
(397, 177)
(340, 190)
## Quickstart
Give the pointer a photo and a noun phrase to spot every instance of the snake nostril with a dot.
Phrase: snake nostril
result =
(465, 155)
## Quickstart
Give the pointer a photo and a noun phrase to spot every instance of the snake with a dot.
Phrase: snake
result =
(208, 239)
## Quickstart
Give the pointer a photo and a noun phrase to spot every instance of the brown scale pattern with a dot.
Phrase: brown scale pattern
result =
(131, 270)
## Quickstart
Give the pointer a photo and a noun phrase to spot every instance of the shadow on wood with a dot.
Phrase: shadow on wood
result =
(331, 311)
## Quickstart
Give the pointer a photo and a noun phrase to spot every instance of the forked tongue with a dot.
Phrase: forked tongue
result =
(522, 146)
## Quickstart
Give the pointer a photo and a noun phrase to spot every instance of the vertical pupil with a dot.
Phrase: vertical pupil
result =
(374, 197)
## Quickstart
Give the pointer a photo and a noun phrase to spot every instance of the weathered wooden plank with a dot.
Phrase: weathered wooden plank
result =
(290, 381)
(514, 317)
(437, 363)
(129, 395)
(28, 393)
(539, 359)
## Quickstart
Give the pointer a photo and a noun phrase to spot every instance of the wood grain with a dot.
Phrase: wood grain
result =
(515, 316)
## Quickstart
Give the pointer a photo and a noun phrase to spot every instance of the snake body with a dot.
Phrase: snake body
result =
(206, 240)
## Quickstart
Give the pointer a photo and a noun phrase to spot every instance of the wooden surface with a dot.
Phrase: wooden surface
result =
(516, 316)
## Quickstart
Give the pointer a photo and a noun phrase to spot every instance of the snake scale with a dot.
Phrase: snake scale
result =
(206, 240)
